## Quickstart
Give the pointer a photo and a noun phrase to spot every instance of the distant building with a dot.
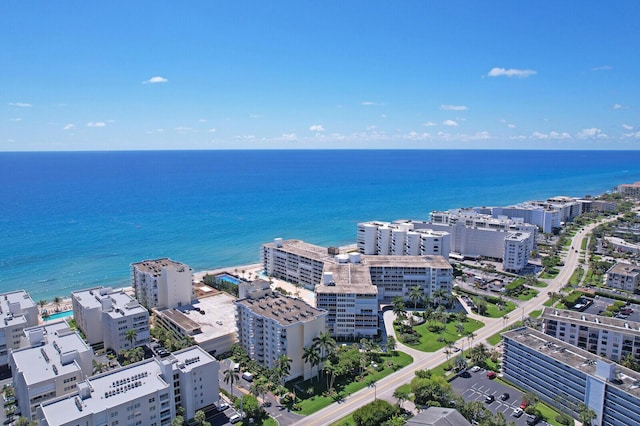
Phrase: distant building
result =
(401, 238)
(516, 251)
(17, 312)
(149, 392)
(629, 189)
(272, 325)
(566, 376)
(438, 416)
(295, 261)
(54, 361)
(624, 276)
(612, 338)
(162, 283)
(106, 315)
(622, 246)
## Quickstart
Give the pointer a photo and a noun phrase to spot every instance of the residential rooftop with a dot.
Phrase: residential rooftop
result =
(282, 309)
(155, 266)
(591, 320)
(347, 278)
(300, 248)
(624, 269)
(429, 261)
(120, 302)
(625, 379)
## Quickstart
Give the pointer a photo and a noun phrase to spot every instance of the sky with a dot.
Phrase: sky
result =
(120, 75)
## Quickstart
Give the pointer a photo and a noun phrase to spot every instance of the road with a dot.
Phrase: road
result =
(423, 360)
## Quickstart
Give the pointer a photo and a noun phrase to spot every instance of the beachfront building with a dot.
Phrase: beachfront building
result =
(209, 322)
(401, 239)
(106, 315)
(350, 299)
(17, 312)
(629, 189)
(623, 276)
(295, 261)
(565, 376)
(516, 251)
(612, 338)
(162, 283)
(53, 361)
(593, 205)
(149, 392)
(272, 325)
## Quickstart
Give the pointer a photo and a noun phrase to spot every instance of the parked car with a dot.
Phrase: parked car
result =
(235, 418)
(524, 405)
(491, 374)
(489, 399)
(475, 369)
(247, 376)
(517, 412)
(504, 396)
(223, 406)
(532, 419)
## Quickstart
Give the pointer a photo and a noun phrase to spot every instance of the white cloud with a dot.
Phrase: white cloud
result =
(450, 123)
(289, 137)
(155, 80)
(212, 130)
(383, 115)
(68, 126)
(15, 119)
(511, 72)
(96, 124)
(591, 133)
(20, 104)
(602, 68)
(550, 135)
(627, 127)
(429, 124)
(202, 120)
(255, 115)
(539, 135)
(453, 107)
(511, 126)
(182, 129)
(369, 103)
(316, 128)
(617, 106)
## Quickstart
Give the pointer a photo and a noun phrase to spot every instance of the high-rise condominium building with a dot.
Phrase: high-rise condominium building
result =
(162, 283)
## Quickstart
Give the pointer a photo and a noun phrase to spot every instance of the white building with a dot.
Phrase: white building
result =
(273, 325)
(162, 283)
(295, 261)
(516, 251)
(146, 393)
(56, 359)
(624, 276)
(629, 189)
(17, 312)
(350, 299)
(401, 238)
(622, 246)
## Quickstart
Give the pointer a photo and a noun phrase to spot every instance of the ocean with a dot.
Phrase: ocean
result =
(72, 220)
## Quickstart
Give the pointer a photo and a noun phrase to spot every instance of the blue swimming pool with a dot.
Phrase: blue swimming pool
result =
(58, 315)
(228, 278)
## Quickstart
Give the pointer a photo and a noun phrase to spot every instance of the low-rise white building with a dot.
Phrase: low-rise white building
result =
(107, 315)
(629, 189)
(146, 393)
(162, 283)
(401, 238)
(624, 276)
(272, 325)
(17, 312)
(55, 360)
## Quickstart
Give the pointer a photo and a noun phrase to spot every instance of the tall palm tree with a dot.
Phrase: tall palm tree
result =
(399, 308)
(415, 295)
(311, 356)
(258, 388)
(283, 367)
(230, 378)
(131, 335)
(325, 344)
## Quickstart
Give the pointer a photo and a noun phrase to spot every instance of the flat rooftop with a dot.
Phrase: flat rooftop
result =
(40, 363)
(429, 261)
(592, 320)
(624, 269)
(19, 296)
(300, 248)
(218, 319)
(282, 309)
(574, 357)
(121, 301)
(155, 266)
(348, 278)
(109, 390)
(190, 358)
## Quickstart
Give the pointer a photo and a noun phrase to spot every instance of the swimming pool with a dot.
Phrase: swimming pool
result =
(58, 315)
(228, 278)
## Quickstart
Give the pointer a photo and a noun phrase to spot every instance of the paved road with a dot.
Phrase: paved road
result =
(422, 360)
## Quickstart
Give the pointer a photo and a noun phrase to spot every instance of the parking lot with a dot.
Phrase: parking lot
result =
(475, 386)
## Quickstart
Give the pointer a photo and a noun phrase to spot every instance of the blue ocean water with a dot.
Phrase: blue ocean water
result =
(74, 220)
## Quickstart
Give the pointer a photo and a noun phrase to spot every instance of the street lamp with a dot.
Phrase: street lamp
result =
(375, 387)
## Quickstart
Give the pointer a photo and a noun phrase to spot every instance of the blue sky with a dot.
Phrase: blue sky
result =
(78, 75)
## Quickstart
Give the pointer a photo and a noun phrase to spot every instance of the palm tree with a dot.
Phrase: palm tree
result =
(399, 308)
(258, 388)
(391, 343)
(585, 414)
(230, 378)
(311, 356)
(325, 344)
(630, 361)
(283, 367)
(131, 335)
(401, 396)
(56, 301)
(415, 295)
(460, 328)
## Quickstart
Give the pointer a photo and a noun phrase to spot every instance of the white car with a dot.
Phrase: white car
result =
(475, 368)
(223, 405)
(235, 418)
(517, 412)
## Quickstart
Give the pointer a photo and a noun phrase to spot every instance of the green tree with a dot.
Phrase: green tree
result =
(630, 361)
(131, 335)
(402, 395)
(391, 343)
(200, 418)
(311, 356)
(374, 413)
(325, 345)
(251, 407)
(282, 368)
(177, 421)
(231, 378)
(585, 414)
(259, 388)
(416, 295)
(399, 308)
(481, 304)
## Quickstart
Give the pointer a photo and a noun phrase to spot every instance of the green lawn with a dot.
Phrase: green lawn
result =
(494, 312)
(527, 294)
(552, 273)
(536, 313)
(318, 401)
(429, 341)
